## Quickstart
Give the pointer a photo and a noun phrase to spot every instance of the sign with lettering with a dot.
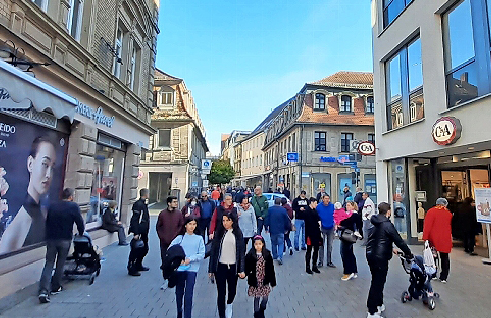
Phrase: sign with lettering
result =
(7, 103)
(366, 148)
(327, 159)
(446, 131)
(292, 157)
(96, 115)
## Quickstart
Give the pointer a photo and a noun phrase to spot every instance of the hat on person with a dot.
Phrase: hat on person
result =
(338, 205)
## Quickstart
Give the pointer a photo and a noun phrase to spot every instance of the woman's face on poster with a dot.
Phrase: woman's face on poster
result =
(41, 167)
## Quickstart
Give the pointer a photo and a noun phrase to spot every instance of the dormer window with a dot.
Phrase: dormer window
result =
(166, 98)
(345, 104)
(320, 102)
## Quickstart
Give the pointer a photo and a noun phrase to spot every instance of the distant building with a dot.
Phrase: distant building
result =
(231, 149)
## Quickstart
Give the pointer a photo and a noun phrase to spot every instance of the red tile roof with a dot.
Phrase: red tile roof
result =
(347, 80)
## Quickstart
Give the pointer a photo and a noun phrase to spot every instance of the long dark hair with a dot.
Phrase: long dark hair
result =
(264, 251)
(186, 221)
(235, 225)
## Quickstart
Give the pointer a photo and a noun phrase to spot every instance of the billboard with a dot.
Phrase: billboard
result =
(32, 165)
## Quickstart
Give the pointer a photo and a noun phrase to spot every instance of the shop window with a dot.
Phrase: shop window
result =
(346, 141)
(74, 23)
(392, 9)
(404, 86)
(346, 102)
(320, 141)
(370, 108)
(320, 102)
(400, 198)
(164, 138)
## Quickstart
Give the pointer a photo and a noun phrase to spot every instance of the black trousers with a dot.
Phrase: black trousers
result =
(348, 257)
(469, 241)
(226, 276)
(314, 256)
(444, 265)
(136, 255)
(204, 225)
(376, 294)
(163, 250)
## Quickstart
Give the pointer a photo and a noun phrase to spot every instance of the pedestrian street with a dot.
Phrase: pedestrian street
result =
(115, 294)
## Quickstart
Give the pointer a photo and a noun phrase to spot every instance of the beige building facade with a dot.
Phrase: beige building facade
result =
(173, 163)
(76, 74)
(252, 156)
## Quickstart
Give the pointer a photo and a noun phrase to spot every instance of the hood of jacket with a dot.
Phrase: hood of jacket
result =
(378, 219)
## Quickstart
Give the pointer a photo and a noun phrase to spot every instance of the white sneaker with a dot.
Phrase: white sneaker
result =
(228, 311)
(357, 234)
(380, 309)
(375, 315)
(355, 276)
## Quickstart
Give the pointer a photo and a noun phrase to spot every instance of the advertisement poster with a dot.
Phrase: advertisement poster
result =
(483, 198)
(32, 165)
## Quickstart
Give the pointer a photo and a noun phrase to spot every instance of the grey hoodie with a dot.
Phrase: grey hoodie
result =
(247, 221)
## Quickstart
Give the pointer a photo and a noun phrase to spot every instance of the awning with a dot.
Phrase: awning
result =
(20, 91)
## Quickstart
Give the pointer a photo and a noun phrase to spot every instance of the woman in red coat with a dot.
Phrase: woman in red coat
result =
(438, 230)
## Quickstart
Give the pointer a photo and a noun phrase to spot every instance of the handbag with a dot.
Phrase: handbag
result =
(208, 248)
(348, 236)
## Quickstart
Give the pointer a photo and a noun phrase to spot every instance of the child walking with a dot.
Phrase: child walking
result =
(259, 269)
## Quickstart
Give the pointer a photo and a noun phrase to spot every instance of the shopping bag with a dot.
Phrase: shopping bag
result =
(429, 260)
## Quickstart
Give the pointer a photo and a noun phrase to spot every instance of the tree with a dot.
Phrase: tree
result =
(221, 172)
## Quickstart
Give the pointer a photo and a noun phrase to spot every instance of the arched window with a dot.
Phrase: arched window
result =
(345, 104)
(320, 102)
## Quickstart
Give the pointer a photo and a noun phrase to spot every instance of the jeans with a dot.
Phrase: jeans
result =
(277, 244)
(56, 249)
(204, 225)
(299, 226)
(260, 225)
(444, 265)
(288, 242)
(348, 257)
(225, 275)
(367, 225)
(327, 240)
(121, 235)
(185, 288)
(376, 293)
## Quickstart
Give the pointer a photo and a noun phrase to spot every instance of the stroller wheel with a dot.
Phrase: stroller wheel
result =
(437, 295)
(405, 297)
(431, 303)
(91, 279)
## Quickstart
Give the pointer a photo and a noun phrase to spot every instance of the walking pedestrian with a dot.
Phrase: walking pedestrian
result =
(225, 208)
(191, 209)
(379, 251)
(259, 269)
(207, 207)
(299, 205)
(355, 224)
(468, 224)
(193, 245)
(438, 231)
(286, 192)
(169, 224)
(247, 220)
(321, 194)
(325, 209)
(359, 199)
(347, 196)
(227, 262)
(260, 204)
(59, 231)
(313, 235)
(139, 226)
(215, 195)
(277, 224)
(367, 212)
(289, 211)
(111, 224)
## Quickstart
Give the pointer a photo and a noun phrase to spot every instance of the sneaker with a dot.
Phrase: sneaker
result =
(297, 249)
(143, 269)
(44, 298)
(280, 261)
(228, 311)
(316, 270)
(304, 248)
(357, 234)
(380, 309)
(375, 315)
(309, 271)
(320, 264)
(444, 281)
(291, 251)
(55, 291)
(347, 277)
(331, 265)
(164, 286)
(355, 275)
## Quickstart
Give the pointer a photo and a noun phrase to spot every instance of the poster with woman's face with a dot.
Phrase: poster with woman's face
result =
(32, 165)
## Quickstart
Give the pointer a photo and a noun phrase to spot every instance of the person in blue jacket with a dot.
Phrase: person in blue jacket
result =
(277, 224)
(325, 209)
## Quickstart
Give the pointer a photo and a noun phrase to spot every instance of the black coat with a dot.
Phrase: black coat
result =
(173, 258)
(468, 219)
(250, 268)
(140, 220)
(216, 250)
(353, 223)
(312, 228)
(380, 239)
(109, 221)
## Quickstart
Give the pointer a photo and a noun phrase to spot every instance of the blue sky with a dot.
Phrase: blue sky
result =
(241, 59)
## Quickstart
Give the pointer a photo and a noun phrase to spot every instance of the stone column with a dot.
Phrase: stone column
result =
(130, 184)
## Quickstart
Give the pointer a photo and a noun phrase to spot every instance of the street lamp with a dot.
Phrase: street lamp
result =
(11, 55)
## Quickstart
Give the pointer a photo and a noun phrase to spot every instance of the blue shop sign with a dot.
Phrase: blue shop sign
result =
(327, 159)
(292, 156)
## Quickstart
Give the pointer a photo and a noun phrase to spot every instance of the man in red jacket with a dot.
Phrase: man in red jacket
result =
(438, 231)
(169, 223)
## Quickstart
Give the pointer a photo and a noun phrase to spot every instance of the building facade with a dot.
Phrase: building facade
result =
(76, 81)
(232, 149)
(317, 126)
(252, 167)
(172, 164)
(432, 84)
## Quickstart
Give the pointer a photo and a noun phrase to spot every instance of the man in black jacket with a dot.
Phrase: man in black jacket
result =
(139, 226)
(299, 205)
(379, 252)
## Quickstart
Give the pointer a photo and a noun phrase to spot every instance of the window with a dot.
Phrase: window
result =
(371, 138)
(345, 104)
(370, 109)
(320, 141)
(345, 141)
(404, 86)
(166, 98)
(74, 23)
(320, 102)
(392, 9)
(117, 59)
(43, 4)
(134, 69)
(164, 138)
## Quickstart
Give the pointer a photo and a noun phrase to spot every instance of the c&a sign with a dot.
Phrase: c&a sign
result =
(446, 131)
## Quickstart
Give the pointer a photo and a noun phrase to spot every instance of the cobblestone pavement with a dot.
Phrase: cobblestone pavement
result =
(115, 294)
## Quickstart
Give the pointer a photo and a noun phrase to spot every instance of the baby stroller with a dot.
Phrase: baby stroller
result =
(420, 277)
(85, 260)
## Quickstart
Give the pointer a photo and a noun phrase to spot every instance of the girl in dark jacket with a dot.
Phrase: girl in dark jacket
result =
(259, 269)
(312, 236)
(355, 224)
(227, 262)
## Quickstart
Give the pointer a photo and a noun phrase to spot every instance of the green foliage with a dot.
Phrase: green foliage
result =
(221, 172)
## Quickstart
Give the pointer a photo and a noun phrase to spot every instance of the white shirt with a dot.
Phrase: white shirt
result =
(368, 208)
(227, 256)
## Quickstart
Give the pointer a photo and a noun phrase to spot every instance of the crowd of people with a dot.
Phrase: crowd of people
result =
(220, 225)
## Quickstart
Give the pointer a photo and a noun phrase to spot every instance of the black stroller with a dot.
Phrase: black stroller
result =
(420, 281)
(85, 261)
